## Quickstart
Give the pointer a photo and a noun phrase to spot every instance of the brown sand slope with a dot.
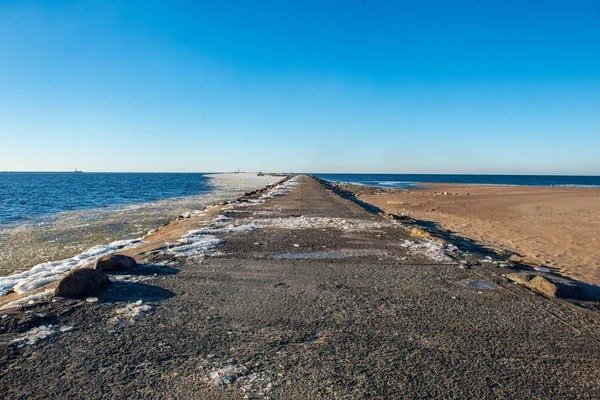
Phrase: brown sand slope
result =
(557, 227)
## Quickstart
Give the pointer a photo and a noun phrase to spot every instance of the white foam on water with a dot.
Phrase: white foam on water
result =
(49, 272)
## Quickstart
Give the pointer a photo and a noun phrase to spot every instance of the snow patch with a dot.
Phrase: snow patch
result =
(34, 335)
(278, 190)
(195, 245)
(132, 311)
(202, 242)
(433, 250)
(320, 223)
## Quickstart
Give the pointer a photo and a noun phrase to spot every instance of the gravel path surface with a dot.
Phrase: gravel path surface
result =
(302, 295)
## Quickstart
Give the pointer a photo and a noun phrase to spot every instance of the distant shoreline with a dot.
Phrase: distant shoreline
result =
(410, 181)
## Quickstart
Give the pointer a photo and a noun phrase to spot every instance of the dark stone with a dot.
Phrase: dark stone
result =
(115, 262)
(81, 283)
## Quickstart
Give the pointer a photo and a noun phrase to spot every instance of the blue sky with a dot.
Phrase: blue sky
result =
(338, 86)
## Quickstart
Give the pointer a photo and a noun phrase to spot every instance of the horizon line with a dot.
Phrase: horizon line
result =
(298, 173)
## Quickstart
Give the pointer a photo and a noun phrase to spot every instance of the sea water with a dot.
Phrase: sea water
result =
(406, 181)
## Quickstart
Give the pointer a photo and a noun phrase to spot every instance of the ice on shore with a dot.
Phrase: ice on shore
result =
(48, 272)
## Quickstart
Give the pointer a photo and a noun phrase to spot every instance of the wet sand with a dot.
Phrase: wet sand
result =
(550, 226)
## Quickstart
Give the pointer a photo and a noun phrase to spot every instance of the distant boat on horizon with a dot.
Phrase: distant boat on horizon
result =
(77, 171)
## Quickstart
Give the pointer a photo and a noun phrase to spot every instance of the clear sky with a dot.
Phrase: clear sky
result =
(321, 86)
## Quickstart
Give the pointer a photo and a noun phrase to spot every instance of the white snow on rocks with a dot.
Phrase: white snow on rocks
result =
(48, 272)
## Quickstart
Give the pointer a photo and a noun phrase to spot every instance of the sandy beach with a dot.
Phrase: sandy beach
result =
(555, 227)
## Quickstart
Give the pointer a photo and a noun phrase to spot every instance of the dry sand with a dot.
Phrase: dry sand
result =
(554, 227)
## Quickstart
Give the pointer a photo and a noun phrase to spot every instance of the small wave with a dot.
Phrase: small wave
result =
(395, 184)
(578, 186)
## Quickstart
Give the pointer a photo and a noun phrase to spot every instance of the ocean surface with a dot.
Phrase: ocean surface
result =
(406, 181)
(26, 196)
(52, 216)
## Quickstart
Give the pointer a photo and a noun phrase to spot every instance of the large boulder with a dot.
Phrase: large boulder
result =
(115, 262)
(81, 283)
